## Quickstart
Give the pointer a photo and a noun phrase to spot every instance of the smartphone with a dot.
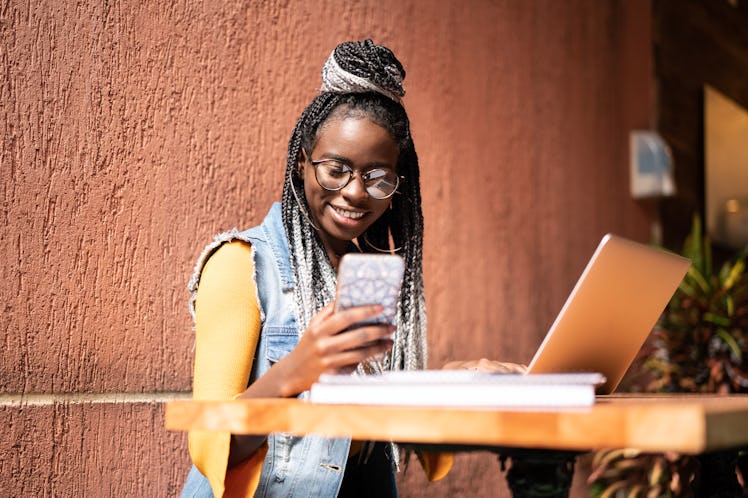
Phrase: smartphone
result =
(365, 279)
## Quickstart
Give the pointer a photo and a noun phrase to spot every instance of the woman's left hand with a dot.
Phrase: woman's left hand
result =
(485, 365)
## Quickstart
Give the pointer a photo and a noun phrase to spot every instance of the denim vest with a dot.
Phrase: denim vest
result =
(294, 466)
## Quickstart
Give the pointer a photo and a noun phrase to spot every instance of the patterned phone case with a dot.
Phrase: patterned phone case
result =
(370, 279)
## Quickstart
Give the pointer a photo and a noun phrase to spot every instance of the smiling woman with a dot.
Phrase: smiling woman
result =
(351, 184)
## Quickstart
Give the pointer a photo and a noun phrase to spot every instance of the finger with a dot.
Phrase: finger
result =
(319, 326)
(515, 368)
(362, 336)
(355, 356)
(341, 320)
(344, 370)
(322, 314)
(485, 365)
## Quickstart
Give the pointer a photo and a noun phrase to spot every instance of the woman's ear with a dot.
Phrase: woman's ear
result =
(300, 163)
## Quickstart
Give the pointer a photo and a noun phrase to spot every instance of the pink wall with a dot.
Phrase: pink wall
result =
(131, 132)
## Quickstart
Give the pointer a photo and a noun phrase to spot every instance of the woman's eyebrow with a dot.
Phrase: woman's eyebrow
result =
(336, 157)
(348, 162)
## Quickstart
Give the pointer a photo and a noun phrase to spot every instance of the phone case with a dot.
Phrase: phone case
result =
(370, 279)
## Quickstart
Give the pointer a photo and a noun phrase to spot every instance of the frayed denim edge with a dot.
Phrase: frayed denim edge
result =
(218, 241)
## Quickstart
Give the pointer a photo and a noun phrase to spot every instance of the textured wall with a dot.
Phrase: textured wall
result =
(131, 132)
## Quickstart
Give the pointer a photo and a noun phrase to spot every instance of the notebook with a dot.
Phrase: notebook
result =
(459, 389)
(611, 311)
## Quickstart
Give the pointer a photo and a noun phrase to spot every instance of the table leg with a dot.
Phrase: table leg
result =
(717, 478)
(540, 474)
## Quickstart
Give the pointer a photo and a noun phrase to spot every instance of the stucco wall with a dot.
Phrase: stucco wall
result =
(131, 132)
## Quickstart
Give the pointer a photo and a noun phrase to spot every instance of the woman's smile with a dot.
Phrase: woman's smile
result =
(348, 216)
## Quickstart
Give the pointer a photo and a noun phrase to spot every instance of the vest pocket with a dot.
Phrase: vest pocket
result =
(280, 341)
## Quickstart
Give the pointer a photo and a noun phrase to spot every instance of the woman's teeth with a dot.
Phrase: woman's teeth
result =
(354, 215)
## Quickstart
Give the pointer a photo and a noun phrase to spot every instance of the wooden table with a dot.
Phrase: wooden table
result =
(708, 425)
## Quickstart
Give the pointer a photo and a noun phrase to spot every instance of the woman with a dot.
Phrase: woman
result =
(351, 184)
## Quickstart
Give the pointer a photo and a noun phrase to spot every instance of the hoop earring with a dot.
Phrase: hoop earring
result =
(378, 249)
(301, 206)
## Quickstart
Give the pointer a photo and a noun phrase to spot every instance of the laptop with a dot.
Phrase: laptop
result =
(611, 311)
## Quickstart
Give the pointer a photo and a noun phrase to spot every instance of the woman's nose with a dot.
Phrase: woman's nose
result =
(355, 188)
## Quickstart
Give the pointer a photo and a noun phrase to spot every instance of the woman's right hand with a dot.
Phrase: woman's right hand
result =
(325, 348)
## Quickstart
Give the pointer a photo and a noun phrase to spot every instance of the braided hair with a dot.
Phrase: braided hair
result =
(361, 79)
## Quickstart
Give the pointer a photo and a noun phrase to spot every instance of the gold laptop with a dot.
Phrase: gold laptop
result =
(611, 311)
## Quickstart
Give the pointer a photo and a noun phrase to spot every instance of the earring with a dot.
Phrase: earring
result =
(301, 206)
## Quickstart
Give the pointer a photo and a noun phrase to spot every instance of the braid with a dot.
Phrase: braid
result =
(313, 273)
(402, 224)
(366, 60)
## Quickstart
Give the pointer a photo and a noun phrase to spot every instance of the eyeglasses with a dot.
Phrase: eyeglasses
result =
(379, 183)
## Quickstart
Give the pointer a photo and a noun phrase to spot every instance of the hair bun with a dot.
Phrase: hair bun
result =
(362, 66)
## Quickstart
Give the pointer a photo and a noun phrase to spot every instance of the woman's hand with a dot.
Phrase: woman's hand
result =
(485, 365)
(324, 348)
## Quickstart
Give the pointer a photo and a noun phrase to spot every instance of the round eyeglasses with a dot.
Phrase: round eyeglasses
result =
(379, 183)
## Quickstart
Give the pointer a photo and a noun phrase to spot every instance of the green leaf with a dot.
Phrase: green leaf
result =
(734, 275)
(716, 319)
(698, 277)
(731, 343)
(729, 305)
(724, 271)
(687, 289)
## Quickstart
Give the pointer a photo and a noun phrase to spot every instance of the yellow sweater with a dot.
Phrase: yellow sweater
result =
(227, 327)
